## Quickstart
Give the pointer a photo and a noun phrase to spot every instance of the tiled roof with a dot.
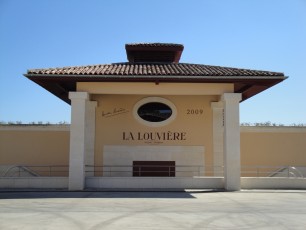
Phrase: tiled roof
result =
(61, 81)
(154, 62)
(138, 69)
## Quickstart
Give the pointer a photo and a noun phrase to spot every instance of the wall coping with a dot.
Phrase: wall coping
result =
(243, 129)
(272, 129)
(34, 127)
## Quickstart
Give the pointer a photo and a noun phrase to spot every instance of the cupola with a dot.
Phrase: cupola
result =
(154, 52)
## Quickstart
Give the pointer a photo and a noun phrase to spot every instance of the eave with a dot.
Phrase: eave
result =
(61, 85)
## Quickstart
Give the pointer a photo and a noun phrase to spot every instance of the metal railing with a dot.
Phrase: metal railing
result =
(150, 170)
(36, 171)
(274, 171)
(153, 170)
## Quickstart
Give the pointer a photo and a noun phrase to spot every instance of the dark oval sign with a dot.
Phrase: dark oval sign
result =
(154, 112)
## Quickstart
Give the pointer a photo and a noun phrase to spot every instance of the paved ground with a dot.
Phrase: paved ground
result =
(251, 209)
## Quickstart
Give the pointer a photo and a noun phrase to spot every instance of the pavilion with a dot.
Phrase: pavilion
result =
(153, 112)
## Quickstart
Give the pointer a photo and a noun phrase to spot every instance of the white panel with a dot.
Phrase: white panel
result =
(121, 155)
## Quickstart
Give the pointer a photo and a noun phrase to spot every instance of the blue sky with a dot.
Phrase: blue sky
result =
(262, 35)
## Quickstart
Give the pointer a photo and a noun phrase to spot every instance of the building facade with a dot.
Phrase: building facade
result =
(154, 116)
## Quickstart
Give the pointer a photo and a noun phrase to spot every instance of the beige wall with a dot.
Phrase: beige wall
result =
(273, 146)
(34, 145)
(50, 145)
(114, 128)
(151, 88)
(118, 131)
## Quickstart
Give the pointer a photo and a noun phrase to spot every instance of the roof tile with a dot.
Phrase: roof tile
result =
(158, 69)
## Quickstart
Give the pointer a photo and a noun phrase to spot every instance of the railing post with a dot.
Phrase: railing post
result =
(288, 168)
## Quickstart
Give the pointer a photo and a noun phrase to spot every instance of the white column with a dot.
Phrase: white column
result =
(81, 138)
(217, 108)
(231, 141)
(90, 135)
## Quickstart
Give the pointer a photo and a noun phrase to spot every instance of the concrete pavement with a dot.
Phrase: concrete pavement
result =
(250, 209)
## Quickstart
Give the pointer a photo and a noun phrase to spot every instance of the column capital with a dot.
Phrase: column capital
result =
(79, 95)
(231, 97)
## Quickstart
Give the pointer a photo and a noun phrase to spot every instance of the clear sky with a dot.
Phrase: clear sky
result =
(261, 35)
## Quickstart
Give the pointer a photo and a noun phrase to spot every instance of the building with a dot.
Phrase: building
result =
(153, 116)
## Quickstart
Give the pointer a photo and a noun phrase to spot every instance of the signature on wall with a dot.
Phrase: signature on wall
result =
(114, 112)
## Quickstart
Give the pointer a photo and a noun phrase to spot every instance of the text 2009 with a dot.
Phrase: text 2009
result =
(195, 111)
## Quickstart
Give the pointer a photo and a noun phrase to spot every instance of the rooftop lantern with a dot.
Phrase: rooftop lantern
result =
(154, 52)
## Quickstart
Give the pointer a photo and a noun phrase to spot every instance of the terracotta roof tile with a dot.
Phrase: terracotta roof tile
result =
(142, 69)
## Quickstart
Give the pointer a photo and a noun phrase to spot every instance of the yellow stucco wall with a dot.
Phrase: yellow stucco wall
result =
(275, 146)
(119, 132)
(121, 128)
(151, 88)
(34, 145)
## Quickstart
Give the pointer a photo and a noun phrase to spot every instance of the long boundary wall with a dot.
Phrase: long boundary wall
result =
(34, 145)
(49, 145)
(273, 146)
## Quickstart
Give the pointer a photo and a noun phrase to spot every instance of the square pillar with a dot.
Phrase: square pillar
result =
(90, 127)
(231, 141)
(217, 108)
(81, 138)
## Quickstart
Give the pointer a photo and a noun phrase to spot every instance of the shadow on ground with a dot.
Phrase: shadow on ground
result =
(101, 194)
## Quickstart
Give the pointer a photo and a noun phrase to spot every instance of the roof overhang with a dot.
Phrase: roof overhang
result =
(61, 85)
